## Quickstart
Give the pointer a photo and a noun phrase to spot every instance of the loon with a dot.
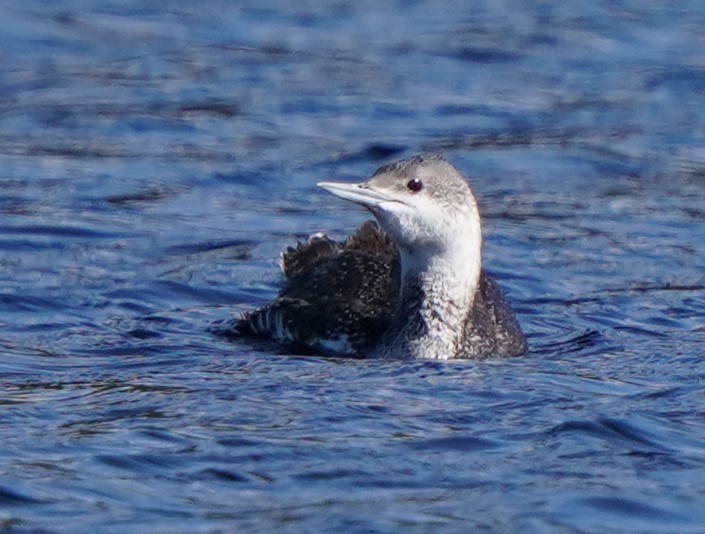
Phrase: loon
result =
(410, 285)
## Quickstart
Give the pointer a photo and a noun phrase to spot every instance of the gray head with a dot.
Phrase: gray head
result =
(423, 203)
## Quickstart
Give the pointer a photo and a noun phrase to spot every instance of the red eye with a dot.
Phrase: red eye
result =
(414, 185)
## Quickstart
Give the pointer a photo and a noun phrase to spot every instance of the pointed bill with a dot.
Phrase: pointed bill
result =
(358, 193)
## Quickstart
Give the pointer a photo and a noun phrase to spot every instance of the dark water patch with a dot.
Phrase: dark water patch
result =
(686, 79)
(613, 430)
(267, 53)
(628, 507)
(376, 152)
(470, 109)
(11, 497)
(20, 304)
(14, 206)
(73, 151)
(214, 108)
(150, 195)
(472, 54)
(237, 442)
(166, 437)
(223, 475)
(143, 334)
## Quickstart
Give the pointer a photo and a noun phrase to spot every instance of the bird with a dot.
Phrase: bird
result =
(408, 285)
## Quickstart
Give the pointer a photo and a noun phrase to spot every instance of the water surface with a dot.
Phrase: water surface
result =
(157, 158)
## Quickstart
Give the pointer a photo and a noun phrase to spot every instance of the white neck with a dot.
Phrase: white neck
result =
(437, 294)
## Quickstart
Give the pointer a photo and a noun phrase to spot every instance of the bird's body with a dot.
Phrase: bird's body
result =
(412, 286)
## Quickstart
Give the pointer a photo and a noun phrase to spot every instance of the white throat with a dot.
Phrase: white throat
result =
(437, 293)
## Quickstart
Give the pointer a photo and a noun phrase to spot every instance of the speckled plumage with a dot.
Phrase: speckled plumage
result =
(412, 289)
(334, 292)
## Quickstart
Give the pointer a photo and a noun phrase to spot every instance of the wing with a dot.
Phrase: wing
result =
(339, 298)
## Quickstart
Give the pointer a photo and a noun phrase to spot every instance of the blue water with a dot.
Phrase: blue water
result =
(155, 158)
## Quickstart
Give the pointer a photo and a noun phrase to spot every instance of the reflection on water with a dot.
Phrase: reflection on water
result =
(155, 161)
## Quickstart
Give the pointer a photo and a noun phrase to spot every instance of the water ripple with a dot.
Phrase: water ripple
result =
(156, 161)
